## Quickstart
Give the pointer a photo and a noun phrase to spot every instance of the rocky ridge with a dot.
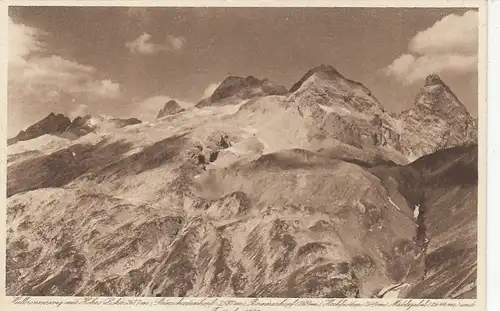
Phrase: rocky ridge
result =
(61, 126)
(438, 120)
(234, 89)
(306, 193)
(170, 108)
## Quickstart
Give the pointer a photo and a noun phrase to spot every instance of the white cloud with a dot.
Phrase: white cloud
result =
(453, 33)
(23, 40)
(79, 111)
(38, 83)
(141, 15)
(58, 75)
(176, 42)
(143, 45)
(105, 88)
(53, 74)
(450, 45)
(210, 90)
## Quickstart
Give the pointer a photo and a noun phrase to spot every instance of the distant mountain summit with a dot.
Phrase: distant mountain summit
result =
(233, 89)
(335, 89)
(170, 108)
(51, 124)
(60, 125)
(325, 71)
(328, 106)
(437, 120)
(307, 194)
(80, 126)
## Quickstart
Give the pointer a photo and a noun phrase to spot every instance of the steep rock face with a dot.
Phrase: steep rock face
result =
(58, 125)
(170, 108)
(275, 232)
(52, 124)
(327, 107)
(450, 218)
(296, 195)
(263, 228)
(80, 126)
(444, 187)
(237, 88)
(339, 108)
(438, 120)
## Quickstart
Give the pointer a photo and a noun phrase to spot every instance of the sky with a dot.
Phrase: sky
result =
(129, 61)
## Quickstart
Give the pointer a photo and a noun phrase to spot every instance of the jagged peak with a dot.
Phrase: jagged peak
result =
(170, 107)
(172, 103)
(233, 85)
(433, 79)
(249, 80)
(435, 87)
(327, 70)
(54, 115)
(52, 124)
(436, 98)
(85, 117)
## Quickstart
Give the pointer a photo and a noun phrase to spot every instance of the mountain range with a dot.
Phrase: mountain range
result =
(256, 191)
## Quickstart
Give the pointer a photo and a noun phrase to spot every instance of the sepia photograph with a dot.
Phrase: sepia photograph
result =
(264, 152)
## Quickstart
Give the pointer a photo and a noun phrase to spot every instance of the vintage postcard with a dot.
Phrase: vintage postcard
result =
(244, 155)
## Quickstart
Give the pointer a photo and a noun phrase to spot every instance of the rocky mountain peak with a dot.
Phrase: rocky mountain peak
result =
(170, 108)
(80, 126)
(433, 79)
(172, 103)
(233, 85)
(437, 120)
(438, 99)
(278, 189)
(325, 71)
(243, 88)
(51, 124)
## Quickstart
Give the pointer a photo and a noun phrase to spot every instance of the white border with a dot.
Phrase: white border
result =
(493, 95)
(493, 184)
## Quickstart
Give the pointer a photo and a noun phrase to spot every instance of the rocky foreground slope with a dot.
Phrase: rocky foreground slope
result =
(311, 192)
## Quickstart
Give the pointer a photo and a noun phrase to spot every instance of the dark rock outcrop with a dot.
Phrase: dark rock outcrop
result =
(444, 187)
(305, 195)
(119, 123)
(242, 88)
(52, 124)
(80, 126)
(437, 120)
(170, 108)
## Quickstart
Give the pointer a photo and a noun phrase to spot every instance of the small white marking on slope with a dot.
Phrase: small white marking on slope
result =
(390, 200)
(335, 109)
(416, 211)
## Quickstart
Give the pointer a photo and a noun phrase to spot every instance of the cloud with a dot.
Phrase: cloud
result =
(176, 42)
(38, 81)
(453, 33)
(210, 90)
(57, 75)
(143, 45)
(53, 73)
(105, 88)
(142, 15)
(80, 110)
(23, 40)
(450, 45)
